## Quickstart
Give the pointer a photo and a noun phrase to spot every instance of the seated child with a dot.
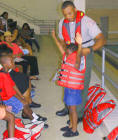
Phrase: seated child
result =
(71, 77)
(21, 80)
(10, 94)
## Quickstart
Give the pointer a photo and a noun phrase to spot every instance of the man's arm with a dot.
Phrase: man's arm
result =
(99, 43)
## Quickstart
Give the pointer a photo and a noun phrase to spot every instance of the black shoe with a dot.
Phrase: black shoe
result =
(62, 112)
(79, 120)
(32, 86)
(34, 105)
(70, 133)
(45, 126)
(65, 128)
(39, 119)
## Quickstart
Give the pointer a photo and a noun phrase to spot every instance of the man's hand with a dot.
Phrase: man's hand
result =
(85, 51)
(78, 39)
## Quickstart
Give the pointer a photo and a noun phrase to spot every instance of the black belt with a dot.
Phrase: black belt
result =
(86, 41)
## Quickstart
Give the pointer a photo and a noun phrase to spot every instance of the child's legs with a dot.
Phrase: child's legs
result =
(73, 118)
(28, 112)
(9, 117)
(28, 96)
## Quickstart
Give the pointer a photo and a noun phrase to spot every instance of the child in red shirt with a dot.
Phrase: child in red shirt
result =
(10, 94)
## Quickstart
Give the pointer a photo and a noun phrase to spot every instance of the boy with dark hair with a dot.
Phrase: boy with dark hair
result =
(21, 79)
(71, 77)
(10, 94)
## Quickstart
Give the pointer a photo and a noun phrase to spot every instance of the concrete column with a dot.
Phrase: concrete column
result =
(80, 4)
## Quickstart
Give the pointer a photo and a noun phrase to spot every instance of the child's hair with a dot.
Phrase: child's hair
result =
(72, 47)
(66, 4)
(4, 50)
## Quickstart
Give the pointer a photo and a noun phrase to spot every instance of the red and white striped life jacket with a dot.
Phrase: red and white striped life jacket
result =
(95, 96)
(66, 29)
(113, 134)
(68, 75)
(93, 118)
(30, 131)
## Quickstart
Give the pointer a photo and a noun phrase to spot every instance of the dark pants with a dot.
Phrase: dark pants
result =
(89, 64)
(24, 64)
(30, 41)
(21, 80)
(36, 43)
(32, 61)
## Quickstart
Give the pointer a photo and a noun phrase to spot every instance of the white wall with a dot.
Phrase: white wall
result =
(80, 4)
(101, 4)
(41, 9)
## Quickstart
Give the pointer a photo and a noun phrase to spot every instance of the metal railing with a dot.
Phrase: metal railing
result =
(104, 75)
(45, 26)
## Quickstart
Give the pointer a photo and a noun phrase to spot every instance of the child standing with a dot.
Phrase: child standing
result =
(71, 77)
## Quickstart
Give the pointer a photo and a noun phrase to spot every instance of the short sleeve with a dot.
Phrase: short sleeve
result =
(93, 28)
(8, 86)
(20, 50)
(60, 29)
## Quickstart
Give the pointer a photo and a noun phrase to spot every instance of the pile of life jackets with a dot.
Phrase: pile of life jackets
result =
(95, 111)
(31, 131)
(113, 135)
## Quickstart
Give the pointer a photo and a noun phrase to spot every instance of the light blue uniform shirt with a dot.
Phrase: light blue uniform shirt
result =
(89, 30)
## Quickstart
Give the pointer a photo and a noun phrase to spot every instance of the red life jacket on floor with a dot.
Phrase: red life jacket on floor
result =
(95, 96)
(113, 134)
(30, 131)
(68, 75)
(92, 90)
(93, 118)
(66, 29)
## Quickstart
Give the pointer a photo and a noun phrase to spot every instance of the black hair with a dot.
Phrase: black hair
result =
(26, 24)
(4, 50)
(73, 47)
(4, 13)
(66, 4)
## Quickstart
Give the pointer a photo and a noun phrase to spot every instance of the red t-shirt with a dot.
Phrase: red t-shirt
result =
(15, 48)
(6, 86)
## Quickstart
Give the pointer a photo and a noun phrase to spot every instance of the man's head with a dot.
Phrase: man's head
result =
(69, 11)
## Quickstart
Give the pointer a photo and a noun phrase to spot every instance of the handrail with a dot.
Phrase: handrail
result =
(23, 14)
(105, 76)
(111, 52)
(41, 24)
(17, 12)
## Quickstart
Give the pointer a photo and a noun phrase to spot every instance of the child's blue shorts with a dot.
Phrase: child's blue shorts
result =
(72, 97)
(16, 104)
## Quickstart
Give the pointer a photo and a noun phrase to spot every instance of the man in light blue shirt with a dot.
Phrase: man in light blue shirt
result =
(92, 39)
